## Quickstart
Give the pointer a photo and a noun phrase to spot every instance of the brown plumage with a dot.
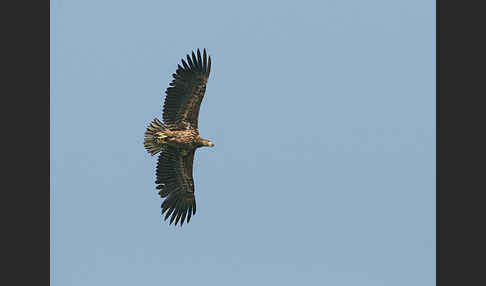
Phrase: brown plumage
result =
(178, 137)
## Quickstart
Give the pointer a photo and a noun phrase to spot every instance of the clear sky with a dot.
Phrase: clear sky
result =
(323, 117)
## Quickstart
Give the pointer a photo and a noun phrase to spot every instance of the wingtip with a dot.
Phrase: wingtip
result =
(197, 61)
(189, 61)
(209, 64)
(186, 66)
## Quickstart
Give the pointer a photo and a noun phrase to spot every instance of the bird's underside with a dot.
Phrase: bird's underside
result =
(183, 139)
(177, 138)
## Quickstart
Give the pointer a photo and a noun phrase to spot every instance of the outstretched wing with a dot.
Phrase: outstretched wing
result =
(176, 185)
(186, 91)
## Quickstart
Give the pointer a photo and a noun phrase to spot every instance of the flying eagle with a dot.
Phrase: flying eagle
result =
(178, 137)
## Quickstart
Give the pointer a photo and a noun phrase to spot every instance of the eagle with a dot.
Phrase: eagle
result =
(177, 137)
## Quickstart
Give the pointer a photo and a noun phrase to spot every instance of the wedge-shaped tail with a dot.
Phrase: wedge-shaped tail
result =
(150, 139)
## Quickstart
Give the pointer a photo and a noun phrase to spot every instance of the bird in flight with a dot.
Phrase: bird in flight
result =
(177, 138)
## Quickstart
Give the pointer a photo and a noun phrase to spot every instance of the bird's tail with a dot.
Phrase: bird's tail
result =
(150, 138)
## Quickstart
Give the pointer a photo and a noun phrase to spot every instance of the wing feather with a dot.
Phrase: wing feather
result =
(176, 184)
(186, 91)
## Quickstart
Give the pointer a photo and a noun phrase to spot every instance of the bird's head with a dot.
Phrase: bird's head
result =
(206, 143)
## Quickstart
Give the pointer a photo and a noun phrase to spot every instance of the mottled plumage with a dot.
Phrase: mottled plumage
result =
(178, 137)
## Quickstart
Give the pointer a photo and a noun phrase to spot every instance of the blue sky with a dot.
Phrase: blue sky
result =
(323, 117)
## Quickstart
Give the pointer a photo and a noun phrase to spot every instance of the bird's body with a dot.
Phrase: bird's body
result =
(178, 137)
(184, 139)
